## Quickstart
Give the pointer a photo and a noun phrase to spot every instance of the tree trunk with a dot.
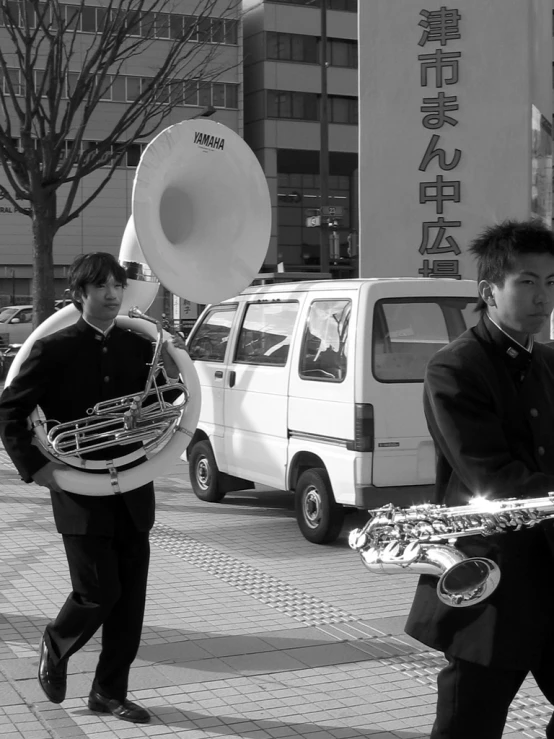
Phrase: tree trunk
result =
(44, 229)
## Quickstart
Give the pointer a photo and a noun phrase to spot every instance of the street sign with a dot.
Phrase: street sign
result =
(313, 221)
(332, 210)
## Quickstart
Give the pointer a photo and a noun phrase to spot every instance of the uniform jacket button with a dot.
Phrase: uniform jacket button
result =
(534, 412)
(540, 450)
(106, 379)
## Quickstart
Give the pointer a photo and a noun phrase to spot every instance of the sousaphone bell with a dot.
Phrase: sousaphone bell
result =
(200, 226)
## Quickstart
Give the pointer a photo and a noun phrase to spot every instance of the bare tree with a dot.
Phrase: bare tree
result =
(52, 79)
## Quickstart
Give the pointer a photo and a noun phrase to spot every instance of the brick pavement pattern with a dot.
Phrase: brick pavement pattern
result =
(250, 631)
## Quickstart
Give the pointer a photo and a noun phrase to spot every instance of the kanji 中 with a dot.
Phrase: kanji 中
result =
(439, 191)
(439, 25)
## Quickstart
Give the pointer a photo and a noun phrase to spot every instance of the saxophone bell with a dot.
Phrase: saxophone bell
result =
(468, 582)
(421, 539)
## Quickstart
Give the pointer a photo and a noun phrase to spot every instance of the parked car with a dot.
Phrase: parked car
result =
(316, 387)
(7, 355)
(62, 302)
(16, 322)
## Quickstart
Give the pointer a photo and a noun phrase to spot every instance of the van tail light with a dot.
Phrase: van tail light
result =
(364, 429)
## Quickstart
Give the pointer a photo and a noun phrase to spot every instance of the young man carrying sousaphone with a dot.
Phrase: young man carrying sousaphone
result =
(489, 404)
(106, 538)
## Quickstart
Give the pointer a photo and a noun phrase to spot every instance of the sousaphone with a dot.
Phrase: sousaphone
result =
(200, 226)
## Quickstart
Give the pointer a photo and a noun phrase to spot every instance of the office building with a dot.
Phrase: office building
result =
(101, 225)
(282, 90)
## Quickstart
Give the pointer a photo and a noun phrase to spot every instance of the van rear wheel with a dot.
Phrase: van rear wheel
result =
(204, 473)
(319, 516)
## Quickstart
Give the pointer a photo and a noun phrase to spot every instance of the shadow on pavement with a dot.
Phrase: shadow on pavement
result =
(252, 725)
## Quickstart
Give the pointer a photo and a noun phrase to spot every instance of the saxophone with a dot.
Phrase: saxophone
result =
(421, 539)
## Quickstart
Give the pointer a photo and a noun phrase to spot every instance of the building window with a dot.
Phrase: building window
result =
(292, 47)
(123, 88)
(232, 96)
(90, 19)
(296, 105)
(218, 93)
(343, 109)
(133, 155)
(231, 32)
(350, 6)
(133, 88)
(305, 106)
(342, 53)
(118, 90)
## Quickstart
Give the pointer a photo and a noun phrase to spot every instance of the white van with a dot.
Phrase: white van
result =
(316, 387)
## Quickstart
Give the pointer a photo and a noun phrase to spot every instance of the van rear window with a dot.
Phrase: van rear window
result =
(406, 333)
(324, 346)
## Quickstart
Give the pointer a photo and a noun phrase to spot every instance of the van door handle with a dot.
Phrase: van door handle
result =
(218, 374)
(232, 378)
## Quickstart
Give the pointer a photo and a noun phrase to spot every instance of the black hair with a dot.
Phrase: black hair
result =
(497, 247)
(93, 269)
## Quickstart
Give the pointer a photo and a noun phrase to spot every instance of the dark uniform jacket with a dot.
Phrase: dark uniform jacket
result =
(489, 406)
(66, 374)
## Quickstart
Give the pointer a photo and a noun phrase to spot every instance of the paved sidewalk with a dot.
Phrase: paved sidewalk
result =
(250, 631)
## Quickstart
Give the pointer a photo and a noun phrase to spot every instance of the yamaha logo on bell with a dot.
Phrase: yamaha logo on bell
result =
(211, 142)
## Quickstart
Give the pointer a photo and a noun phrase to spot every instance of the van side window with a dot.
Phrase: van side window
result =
(266, 333)
(324, 346)
(406, 334)
(209, 340)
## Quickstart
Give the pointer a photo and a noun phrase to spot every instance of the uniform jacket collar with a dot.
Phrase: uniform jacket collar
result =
(513, 354)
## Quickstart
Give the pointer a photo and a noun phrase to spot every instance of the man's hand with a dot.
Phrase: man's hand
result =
(45, 476)
(167, 360)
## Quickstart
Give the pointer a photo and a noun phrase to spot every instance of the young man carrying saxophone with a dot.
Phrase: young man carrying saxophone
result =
(489, 404)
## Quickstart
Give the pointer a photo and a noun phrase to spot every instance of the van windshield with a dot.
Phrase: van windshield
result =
(407, 332)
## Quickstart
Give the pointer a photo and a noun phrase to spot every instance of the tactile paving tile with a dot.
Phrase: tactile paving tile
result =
(263, 587)
(4, 459)
(528, 714)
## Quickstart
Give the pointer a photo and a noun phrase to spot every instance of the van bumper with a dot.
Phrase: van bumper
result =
(369, 496)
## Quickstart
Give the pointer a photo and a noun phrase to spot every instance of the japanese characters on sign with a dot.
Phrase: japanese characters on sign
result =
(439, 70)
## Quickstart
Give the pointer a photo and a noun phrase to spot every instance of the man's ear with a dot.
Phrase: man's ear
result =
(77, 295)
(486, 291)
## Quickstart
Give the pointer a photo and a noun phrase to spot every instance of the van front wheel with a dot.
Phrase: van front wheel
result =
(319, 517)
(204, 474)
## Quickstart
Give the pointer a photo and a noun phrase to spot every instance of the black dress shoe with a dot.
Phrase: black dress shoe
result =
(125, 710)
(52, 678)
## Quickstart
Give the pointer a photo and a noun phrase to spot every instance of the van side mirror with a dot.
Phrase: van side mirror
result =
(15, 320)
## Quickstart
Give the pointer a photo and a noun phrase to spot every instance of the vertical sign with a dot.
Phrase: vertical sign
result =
(439, 71)
(448, 142)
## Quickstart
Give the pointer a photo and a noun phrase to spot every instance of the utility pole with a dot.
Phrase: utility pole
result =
(324, 146)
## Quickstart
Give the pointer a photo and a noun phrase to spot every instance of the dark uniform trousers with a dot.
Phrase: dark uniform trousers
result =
(108, 577)
(474, 700)
(106, 537)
